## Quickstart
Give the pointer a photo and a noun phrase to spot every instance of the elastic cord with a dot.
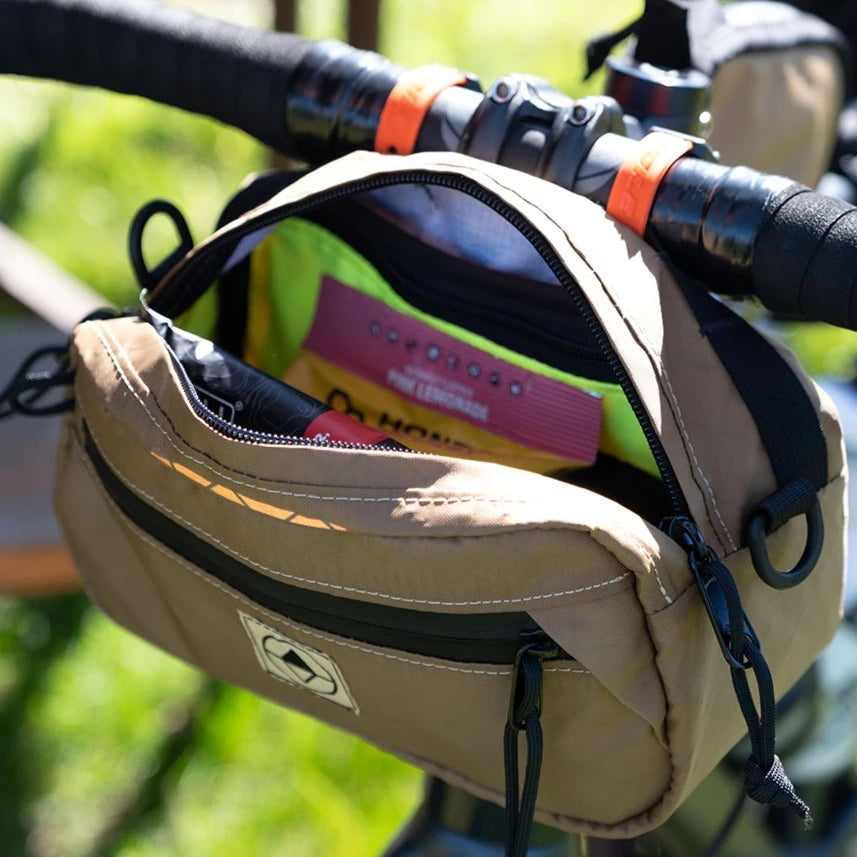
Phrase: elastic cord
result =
(640, 175)
(524, 716)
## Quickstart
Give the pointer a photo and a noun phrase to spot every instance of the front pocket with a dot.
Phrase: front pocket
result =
(444, 715)
(491, 638)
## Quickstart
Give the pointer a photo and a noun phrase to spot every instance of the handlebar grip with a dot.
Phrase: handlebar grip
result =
(747, 233)
(236, 74)
(805, 257)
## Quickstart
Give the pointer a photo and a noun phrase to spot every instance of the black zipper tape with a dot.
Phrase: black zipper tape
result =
(190, 281)
(525, 315)
(490, 638)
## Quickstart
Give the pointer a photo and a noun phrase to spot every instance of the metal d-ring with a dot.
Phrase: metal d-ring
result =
(756, 533)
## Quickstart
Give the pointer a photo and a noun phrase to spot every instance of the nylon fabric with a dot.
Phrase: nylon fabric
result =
(638, 703)
(793, 95)
(785, 418)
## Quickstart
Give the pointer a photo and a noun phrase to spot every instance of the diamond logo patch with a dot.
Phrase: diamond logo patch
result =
(297, 664)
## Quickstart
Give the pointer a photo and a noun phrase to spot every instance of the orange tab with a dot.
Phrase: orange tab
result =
(639, 177)
(406, 106)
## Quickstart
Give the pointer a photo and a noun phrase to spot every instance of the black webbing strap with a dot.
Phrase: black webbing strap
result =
(780, 406)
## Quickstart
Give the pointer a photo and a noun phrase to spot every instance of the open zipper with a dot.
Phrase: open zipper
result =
(528, 317)
(219, 374)
(189, 282)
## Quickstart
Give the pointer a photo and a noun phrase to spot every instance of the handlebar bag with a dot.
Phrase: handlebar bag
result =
(452, 610)
(779, 76)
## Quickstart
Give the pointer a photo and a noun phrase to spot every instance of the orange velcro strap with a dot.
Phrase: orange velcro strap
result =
(407, 104)
(639, 177)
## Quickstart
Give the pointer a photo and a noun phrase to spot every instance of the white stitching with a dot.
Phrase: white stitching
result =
(299, 495)
(99, 326)
(340, 587)
(670, 392)
(677, 410)
(661, 586)
(565, 670)
(690, 449)
(279, 619)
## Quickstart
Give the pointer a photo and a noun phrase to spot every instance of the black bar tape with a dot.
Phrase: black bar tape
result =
(170, 55)
(706, 216)
(805, 257)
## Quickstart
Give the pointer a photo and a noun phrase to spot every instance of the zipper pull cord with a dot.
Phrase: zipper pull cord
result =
(525, 705)
(765, 779)
(29, 386)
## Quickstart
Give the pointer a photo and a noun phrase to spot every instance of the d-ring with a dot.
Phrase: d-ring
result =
(756, 532)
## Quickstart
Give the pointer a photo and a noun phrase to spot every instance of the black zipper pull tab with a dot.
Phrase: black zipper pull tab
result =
(765, 780)
(714, 581)
(525, 707)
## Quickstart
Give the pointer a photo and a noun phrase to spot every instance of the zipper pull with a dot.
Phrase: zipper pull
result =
(25, 393)
(765, 780)
(525, 708)
(714, 580)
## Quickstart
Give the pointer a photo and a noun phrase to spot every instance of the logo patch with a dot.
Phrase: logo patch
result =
(297, 664)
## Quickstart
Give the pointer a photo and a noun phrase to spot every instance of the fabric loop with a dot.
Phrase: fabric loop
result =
(791, 500)
(530, 686)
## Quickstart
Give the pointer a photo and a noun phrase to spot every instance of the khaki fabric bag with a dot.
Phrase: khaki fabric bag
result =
(778, 78)
(775, 103)
(413, 598)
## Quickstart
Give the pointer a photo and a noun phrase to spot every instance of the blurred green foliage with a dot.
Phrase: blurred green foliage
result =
(109, 746)
(79, 163)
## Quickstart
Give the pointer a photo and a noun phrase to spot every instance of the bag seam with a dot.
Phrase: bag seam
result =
(668, 706)
(276, 491)
(650, 350)
(328, 585)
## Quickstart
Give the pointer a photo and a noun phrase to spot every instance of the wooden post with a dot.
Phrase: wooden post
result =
(285, 16)
(363, 19)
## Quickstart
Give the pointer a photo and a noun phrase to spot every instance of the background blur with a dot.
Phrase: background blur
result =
(110, 747)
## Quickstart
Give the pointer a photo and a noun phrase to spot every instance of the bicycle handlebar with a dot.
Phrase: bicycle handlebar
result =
(740, 231)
